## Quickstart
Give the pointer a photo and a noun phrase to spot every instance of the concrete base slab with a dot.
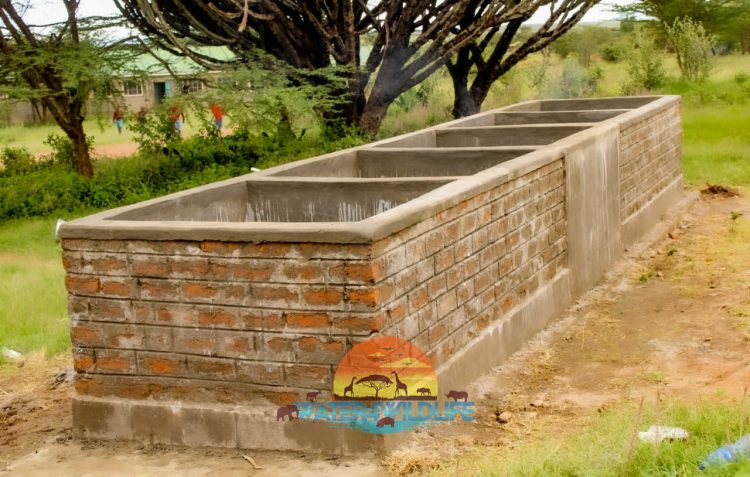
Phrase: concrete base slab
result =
(214, 425)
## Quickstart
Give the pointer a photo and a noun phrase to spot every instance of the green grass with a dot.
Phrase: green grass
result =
(717, 145)
(32, 299)
(599, 446)
(103, 131)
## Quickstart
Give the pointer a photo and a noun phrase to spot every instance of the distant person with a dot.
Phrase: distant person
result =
(177, 117)
(218, 113)
(119, 119)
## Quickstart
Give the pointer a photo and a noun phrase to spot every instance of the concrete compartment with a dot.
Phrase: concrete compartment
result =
(594, 103)
(417, 162)
(285, 201)
(555, 117)
(531, 135)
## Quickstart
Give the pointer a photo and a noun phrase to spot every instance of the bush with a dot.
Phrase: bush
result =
(62, 149)
(645, 67)
(614, 53)
(575, 81)
(742, 78)
(53, 187)
(17, 161)
(692, 44)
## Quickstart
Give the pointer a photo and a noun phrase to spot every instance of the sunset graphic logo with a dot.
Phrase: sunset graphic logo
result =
(384, 385)
(385, 368)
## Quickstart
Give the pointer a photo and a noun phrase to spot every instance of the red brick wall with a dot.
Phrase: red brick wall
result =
(650, 152)
(230, 322)
(449, 277)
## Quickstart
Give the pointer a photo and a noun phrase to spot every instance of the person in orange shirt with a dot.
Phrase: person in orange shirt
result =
(218, 113)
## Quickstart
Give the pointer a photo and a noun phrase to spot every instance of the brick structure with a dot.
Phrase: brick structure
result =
(468, 272)
(649, 159)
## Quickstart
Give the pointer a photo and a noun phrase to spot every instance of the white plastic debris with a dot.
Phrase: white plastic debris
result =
(11, 355)
(255, 169)
(656, 434)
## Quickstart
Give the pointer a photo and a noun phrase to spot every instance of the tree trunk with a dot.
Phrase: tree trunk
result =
(463, 103)
(81, 154)
(374, 113)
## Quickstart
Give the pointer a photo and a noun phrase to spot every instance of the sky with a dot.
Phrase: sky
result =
(49, 11)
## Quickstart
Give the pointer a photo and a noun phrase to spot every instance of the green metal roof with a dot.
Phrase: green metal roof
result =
(180, 65)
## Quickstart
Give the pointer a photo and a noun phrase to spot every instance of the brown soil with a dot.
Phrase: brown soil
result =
(673, 319)
(115, 150)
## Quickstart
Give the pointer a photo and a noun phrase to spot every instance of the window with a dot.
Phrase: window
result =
(192, 86)
(132, 88)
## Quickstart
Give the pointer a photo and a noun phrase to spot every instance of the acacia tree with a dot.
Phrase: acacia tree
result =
(494, 53)
(59, 65)
(408, 41)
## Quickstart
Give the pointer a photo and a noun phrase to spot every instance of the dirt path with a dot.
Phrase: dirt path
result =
(674, 319)
(116, 150)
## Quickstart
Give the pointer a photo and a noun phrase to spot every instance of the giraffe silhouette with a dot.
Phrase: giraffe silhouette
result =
(350, 388)
(399, 385)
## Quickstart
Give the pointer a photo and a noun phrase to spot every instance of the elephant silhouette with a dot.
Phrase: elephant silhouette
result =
(284, 411)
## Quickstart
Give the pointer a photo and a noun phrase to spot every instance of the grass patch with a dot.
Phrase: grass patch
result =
(599, 446)
(103, 131)
(716, 145)
(33, 313)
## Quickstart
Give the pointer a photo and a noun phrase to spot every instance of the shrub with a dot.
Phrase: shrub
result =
(575, 81)
(537, 74)
(614, 53)
(692, 44)
(17, 161)
(54, 187)
(645, 66)
(62, 149)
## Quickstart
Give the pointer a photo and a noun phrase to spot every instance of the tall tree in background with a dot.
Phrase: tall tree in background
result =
(407, 41)
(729, 20)
(58, 65)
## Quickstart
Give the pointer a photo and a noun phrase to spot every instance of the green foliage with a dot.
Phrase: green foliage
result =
(645, 66)
(614, 53)
(16, 161)
(54, 188)
(62, 149)
(692, 45)
(418, 95)
(728, 20)
(741, 78)
(575, 81)
(583, 42)
(538, 73)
